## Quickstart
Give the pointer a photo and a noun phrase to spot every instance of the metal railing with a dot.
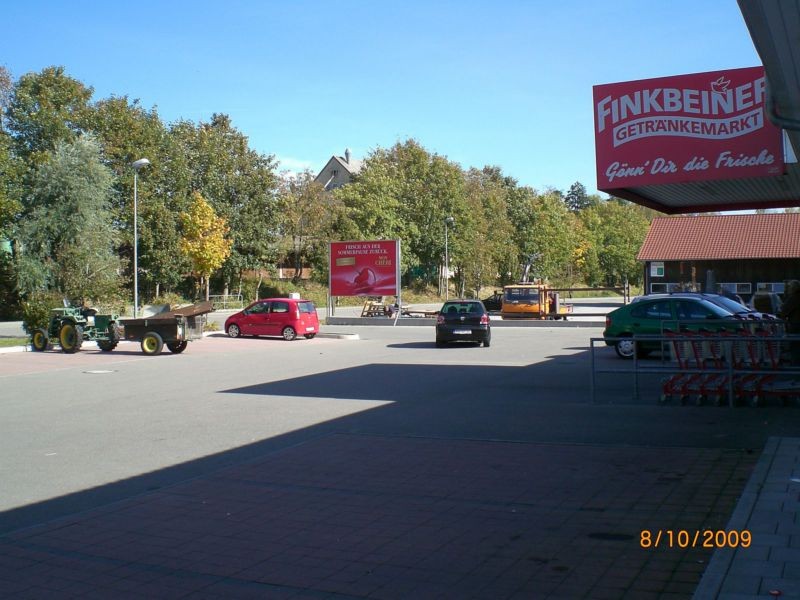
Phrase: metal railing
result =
(225, 302)
(730, 366)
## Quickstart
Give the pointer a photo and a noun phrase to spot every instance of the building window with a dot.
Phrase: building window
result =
(775, 287)
(664, 288)
(737, 288)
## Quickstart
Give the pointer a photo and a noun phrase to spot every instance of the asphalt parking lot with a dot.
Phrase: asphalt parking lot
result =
(497, 454)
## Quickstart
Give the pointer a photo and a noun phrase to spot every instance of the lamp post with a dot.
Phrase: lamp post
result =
(142, 162)
(447, 221)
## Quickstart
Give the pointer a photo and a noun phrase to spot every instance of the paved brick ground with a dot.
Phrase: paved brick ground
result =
(348, 516)
(769, 567)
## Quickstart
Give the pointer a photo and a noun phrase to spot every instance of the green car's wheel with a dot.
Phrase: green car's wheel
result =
(152, 343)
(625, 347)
(70, 336)
(40, 340)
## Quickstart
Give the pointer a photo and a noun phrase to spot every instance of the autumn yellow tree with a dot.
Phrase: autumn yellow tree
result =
(204, 241)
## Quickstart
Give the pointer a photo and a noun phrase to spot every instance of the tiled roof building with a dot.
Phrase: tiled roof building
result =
(743, 253)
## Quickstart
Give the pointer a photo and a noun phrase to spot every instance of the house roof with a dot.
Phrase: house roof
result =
(353, 167)
(723, 237)
(326, 176)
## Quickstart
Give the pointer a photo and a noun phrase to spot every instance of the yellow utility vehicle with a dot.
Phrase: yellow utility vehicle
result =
(533, 301)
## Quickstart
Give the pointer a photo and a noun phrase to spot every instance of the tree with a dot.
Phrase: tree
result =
(404, 192)
(482, 241)
(545, 233)
(576, 198)
(128, 132)
(617, 229)
(11, 168)
(66, 237)
(307, 215)
(10, 175)
(45, 109)
(240, 184)
(204, 241)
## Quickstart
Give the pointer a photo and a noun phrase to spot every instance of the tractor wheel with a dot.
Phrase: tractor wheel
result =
(112, 341)
(40, 341)
(177, 347)
(70, 336)
(152, 343)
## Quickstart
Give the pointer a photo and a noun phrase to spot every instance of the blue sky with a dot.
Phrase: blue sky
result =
(506, 83)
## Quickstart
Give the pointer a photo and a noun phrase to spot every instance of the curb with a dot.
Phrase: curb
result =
(428, 322)
(10, 349)
(719, 568)
(27, 347)
(339, 336)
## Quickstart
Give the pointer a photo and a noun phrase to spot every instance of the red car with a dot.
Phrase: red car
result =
(285, 317)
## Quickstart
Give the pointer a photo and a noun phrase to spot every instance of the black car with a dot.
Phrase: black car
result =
(463, 321)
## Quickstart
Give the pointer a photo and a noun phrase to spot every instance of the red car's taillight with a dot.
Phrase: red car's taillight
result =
(440, 320)
(484, 319)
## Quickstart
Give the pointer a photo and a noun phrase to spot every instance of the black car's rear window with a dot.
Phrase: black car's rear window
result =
(306, 307)
(462, 307)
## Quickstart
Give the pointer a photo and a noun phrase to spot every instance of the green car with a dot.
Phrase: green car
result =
(654, 316)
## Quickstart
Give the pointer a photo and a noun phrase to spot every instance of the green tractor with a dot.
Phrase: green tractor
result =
(70, 326)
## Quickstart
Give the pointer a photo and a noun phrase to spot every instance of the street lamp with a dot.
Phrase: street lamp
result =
(142, 162)
(447, 221)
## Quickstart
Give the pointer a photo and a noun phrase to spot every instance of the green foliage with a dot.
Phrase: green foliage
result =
(11, 170)
(240, 184)
(576, 198)
(405, 193)
(307, 218)
(9, 299)
(46, 109)
(481, 240)
(67, 235)
(172, 299)
(277, 288)
(616, 229)
(67, 204)
(36, 310)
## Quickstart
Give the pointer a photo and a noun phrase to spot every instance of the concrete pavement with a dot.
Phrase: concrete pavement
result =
(475, 480)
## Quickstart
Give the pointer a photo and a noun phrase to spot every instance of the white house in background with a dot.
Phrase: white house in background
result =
(338, 171)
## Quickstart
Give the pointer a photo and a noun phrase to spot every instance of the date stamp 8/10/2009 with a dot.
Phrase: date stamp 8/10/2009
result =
(705, 538)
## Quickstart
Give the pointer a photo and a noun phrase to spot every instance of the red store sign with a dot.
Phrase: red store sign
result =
(685, 128)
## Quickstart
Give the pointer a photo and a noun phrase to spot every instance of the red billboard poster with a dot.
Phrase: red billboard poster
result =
(702, 126)
(370, 268)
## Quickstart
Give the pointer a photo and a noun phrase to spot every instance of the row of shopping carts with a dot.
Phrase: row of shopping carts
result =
(747, 366)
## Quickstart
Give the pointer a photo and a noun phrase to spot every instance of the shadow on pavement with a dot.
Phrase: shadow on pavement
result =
(541, 412)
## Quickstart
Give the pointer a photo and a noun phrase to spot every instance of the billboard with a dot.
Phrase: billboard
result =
(703, 126)
(368, 268)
